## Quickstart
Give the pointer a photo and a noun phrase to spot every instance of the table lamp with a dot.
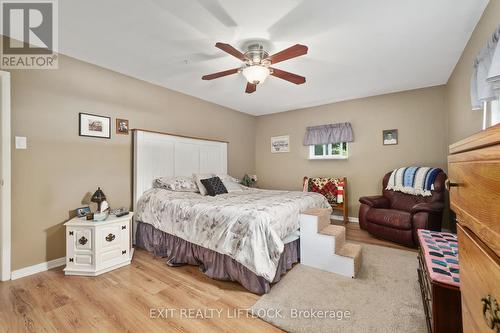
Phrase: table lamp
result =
(98, 197)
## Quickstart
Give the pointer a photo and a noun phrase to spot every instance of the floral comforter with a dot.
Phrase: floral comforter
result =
(247, 225)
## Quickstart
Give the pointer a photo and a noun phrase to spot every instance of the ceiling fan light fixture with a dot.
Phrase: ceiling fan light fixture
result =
(256, 73)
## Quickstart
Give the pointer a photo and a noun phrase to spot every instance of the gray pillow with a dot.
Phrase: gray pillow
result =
(178, 184)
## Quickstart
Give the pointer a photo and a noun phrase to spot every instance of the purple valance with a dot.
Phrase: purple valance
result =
(325, 134)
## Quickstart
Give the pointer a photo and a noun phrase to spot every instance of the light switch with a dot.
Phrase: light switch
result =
(21, 142)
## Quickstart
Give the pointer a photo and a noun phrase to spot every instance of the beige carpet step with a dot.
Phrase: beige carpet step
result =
(336, 231)
(323, 215)
(353, 251)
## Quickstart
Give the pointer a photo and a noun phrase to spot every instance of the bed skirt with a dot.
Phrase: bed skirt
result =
(213, 264)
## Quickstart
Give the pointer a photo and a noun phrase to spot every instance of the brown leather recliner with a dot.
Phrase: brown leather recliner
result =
(396, 216)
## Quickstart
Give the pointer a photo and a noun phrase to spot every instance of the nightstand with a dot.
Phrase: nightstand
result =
(93, 248)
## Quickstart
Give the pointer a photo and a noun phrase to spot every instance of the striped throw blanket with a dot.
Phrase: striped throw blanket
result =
(413, 180)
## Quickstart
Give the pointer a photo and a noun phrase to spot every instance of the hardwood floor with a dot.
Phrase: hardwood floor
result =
(354, 233)
(121, 301)
(124, 300)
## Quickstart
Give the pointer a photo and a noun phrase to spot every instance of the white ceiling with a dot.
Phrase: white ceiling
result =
(357, 48)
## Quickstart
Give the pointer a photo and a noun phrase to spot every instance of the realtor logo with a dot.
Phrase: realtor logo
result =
(32, 28)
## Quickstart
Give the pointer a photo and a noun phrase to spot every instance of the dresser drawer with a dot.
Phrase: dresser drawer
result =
(83, 239)
(480, 278)
(108, 237)
(476, 197)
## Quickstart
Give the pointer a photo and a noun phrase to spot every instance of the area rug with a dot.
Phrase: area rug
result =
(384, 298)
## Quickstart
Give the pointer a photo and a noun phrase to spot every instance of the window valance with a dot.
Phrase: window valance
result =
(482, 88)
(331, 133)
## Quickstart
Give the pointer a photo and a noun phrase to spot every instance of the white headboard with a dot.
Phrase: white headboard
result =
(164, 155)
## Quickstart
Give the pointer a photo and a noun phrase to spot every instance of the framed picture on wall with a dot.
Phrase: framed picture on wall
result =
(121, 126)
(280, 144)
(94, 126)
(390, 137)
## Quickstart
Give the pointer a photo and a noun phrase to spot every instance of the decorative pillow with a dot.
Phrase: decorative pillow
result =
(232, 184)
(178, 184)
(198, 177)
(214, 186)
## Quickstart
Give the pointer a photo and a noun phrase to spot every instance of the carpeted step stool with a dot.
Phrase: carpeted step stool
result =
(324, 246)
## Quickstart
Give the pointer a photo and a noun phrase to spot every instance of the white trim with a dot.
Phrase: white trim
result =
(341, 218)
(5, 179)
(38, 268)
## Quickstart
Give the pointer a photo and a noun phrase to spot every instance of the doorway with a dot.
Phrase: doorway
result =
(5, 176)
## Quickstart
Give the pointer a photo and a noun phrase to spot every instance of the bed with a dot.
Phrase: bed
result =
(249, 236)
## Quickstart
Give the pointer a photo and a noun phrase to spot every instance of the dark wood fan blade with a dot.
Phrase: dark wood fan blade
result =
(220, 74)
(251, 87)
(294, 78)
(294, 51)
(231, 50)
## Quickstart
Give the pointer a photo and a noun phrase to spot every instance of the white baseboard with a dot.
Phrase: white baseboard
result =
(42, 267)
(341, 218)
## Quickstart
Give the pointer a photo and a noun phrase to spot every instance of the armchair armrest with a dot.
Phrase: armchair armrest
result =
(428, 207)
(376, 201)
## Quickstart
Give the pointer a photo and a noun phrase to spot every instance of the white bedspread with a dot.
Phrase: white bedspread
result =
(248, 226)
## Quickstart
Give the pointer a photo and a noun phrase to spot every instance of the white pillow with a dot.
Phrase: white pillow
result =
(178, 184)
(199, 176)
(232, 184)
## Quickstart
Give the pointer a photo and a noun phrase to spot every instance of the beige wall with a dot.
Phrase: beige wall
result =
(419, 115)
(59, 167)
(462, 121)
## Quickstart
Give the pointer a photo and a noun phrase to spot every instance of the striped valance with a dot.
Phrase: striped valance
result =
(331, 133)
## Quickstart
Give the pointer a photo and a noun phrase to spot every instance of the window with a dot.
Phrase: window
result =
(329, 151)
(491, 115)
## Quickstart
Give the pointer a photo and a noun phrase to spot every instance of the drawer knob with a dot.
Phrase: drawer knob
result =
(110, 238)
(83, 240)
(449, 184)
(491, 313)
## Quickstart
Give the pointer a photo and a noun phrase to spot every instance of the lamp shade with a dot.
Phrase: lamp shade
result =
(98, 196)
(256, 73)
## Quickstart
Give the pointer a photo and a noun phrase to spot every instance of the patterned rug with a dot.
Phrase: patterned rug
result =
(385, 297)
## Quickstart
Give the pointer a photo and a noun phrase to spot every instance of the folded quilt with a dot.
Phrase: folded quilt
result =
(413, 180)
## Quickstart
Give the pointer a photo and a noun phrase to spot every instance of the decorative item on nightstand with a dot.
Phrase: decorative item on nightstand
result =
(96, 248)
(102, 212)
(249, 180)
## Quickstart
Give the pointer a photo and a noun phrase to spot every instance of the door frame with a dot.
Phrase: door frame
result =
(5, 179)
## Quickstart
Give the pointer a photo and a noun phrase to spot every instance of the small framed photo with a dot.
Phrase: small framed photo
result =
(94, 126)
(121, 126)
(82, 211)
(280, 144)
(390, 137)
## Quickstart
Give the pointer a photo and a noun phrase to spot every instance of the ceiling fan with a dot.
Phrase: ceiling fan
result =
(257, 64)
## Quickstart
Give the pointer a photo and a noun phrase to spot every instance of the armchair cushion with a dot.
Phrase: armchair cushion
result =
(376, 201)
(428, 207)
(392, 218)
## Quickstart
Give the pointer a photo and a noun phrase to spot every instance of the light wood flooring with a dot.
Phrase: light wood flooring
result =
(122, 300)
(354, 233)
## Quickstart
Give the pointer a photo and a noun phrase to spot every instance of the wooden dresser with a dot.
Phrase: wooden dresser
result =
(474, 185)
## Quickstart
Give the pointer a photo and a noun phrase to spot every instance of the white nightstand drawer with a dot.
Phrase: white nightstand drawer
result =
(83, 259)
(83, 239)
(109, 237)
(110, 256)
